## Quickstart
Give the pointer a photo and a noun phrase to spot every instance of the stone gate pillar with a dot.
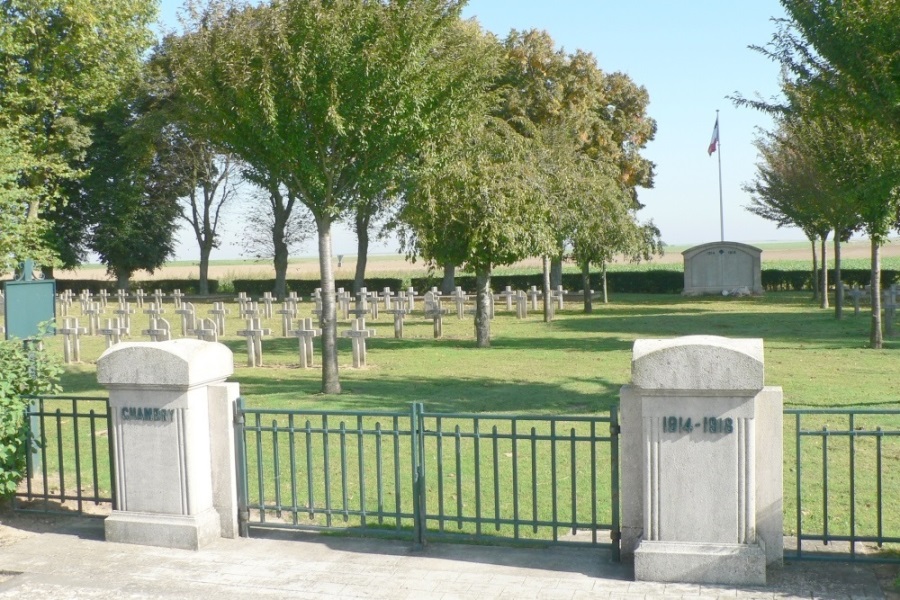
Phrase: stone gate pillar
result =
(174, 447)
(702, 462)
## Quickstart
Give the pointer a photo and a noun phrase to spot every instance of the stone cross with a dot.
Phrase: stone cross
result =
(287, 312)
(104, 296)
(93, 312)
(343, 303)
(432, 299)
(305, 334)
(856, 294)
(266, 301)
(154, 310)
(206, 330)
(459, 298)
(387, 294)
(188, 315)
(250, 310)
(508, 294)
(242, 299)
(521, 305)
(124, 311)
(85, 298)
(358, 336)
(317, 309)
(434, 312)
(399, 311)
(121, 296)
(62, 301)
(71, 331)
(362, 304)
(113, 332)
(373, 304)
(158, 296)
(254, 333)
(411, 298)
(218, 312)
(159, 330)
(177, 295)
(139, 298)
(558, 295)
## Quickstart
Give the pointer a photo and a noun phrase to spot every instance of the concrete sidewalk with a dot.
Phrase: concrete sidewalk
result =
(69, 559)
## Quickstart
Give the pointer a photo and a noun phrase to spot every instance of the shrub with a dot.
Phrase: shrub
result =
(23, 372)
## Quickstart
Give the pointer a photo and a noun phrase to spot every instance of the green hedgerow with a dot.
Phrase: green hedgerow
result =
(24, 370)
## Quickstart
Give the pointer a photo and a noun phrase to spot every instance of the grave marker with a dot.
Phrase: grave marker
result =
(71, 332)
(358, 336)
(206, 330)
(218, 311)
(305, 334)
(254, 333)
(188, 316)
(159, 330)
(113, 332)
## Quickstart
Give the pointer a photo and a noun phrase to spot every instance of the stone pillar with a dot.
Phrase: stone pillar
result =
(702, 462)
(172, 415)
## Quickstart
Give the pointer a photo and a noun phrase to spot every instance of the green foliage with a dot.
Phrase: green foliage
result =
(306, 287)
(23, 372)
(188, 286)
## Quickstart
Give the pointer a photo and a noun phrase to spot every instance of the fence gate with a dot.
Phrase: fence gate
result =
(427, 475)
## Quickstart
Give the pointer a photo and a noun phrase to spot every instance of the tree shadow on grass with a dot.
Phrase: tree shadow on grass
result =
(464, 394)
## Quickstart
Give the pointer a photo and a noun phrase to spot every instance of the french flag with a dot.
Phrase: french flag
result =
(714, 142)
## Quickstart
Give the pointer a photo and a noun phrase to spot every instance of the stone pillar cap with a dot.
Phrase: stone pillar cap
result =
(180, 363)
(698, 362)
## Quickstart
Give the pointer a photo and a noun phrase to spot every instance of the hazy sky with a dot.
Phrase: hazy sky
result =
(690, 55)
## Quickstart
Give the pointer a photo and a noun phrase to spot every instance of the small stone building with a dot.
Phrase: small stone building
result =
(722, 267)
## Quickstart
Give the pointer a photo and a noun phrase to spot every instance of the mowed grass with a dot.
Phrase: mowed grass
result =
(576, 366)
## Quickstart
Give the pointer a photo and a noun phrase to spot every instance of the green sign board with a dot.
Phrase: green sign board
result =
(29, 303)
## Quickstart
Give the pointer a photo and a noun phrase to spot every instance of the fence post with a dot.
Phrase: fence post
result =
(415, 428)
(240, 451)
(616, 533)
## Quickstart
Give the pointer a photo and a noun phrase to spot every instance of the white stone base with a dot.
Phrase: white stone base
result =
(687, 562)
(167, 531)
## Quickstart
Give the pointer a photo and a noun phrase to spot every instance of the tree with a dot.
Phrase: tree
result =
(60, 62)
(476, 202)
(327, 97)
(262, 231)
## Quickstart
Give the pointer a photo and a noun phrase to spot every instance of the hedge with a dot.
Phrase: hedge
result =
(188, 286)
(657, 281)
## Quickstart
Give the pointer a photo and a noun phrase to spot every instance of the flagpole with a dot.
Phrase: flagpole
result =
(721, 204)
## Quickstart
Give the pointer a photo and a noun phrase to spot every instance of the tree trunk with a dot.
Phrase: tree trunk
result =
(203, 282)
(331, 383)
(838, 284)
(815, 269)
(483, 308)
(603, 280)
(448, 283)
(586, 288)
(545, 284)
(824, 245)
(556, 272)
(280, 259)
(362, 251)
(122, 278)
(875, 338)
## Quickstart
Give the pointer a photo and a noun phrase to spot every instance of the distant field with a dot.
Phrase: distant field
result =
(785, 255)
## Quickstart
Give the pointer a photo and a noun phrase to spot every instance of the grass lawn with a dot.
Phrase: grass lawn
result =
(576, 365)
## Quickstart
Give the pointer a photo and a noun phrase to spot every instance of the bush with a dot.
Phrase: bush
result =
(188, 286)
(255, 288)
(23, 372)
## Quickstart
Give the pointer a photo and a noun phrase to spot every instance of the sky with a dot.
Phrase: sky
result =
(690, 55)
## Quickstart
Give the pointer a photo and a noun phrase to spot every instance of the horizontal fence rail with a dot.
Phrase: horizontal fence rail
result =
(70, 464)
(519, 479)
(846, 483)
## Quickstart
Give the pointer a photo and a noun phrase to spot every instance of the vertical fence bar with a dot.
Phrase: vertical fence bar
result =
(77, 441)
(495, 445)
(292, 431)
(379, 479)
(423, 488)
(616, 533)
(44, 475)
(574, 486)
(397, 488)
(553, 476)
(852, 431)
(594, 480)
(240, 450)
(418, 488)
(477, 440)
(361, 453)
(878, 484)
(799, 468)
(260, 492)
(326, 457)
(825, 484)
(345, 501)
(439, 433)
(515, 477)
(59, 457)
(534, 486)
(111, 435)
(276, 464)
(310, 488)
(458, 440)
(95, 476)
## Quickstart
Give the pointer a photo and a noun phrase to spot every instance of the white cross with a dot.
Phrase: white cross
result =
(358, 336)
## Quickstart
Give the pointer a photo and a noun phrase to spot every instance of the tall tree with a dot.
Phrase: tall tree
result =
(325, 97)
(62, 61)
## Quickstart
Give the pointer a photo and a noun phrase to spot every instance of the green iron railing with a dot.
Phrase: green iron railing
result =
(845, 475)
(71, 462)
(522, 479)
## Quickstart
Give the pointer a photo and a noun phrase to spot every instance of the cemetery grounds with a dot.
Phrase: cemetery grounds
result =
(576, 365)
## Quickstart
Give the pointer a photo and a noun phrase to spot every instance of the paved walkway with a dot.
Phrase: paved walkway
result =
(70, 560)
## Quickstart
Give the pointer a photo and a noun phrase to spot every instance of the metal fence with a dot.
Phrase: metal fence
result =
(846, 483)
(423, 475)
(70, 464)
